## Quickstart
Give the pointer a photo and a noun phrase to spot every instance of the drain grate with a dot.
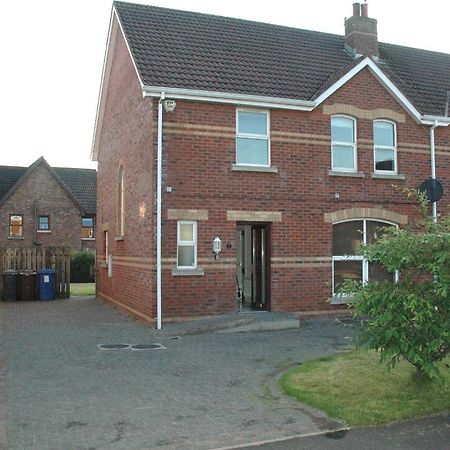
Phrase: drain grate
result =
(154, 346)
(113, 346)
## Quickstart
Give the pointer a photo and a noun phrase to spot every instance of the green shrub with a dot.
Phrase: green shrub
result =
(409, 319)
(82, 267)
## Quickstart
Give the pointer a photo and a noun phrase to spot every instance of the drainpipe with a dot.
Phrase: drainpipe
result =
(159, 215)
(433, 164)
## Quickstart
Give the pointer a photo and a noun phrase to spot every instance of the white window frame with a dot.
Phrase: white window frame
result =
(181, 243)
(365, 262)
(254, 136)
(346, 144)
(385, 147)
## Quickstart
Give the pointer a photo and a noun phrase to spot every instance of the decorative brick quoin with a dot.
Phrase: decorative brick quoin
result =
(241, 164)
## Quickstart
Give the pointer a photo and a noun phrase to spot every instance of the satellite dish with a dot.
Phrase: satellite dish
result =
(433, 189)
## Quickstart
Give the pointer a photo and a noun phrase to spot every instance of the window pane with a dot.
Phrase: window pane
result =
(343, 157)
(346, 237)
(383, 133)
(342, 130)
(185, 255)
(252, 123)
(15, 226)
(87, 222)
(186, 232)
(384, 159)
(375, 229)
(43, 223)
(378, 273)
(252, 151)
(346, 270)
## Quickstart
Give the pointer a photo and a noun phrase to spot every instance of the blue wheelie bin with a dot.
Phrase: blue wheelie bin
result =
(46, 284)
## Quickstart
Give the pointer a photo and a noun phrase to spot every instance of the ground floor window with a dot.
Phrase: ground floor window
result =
(348, 263)
(187, 245)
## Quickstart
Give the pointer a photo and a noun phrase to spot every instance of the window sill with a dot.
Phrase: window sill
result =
(88, 239)
(188, 272)
(18, 238)
(388, 176)
(338, 173)
(338, 300)
(244, 168)
(43, 231)
(119, 238)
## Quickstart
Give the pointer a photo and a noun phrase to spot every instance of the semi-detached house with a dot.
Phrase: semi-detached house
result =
(240, 164)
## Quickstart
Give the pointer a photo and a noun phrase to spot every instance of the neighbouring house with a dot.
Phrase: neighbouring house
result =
(240, 164)
(46, 206)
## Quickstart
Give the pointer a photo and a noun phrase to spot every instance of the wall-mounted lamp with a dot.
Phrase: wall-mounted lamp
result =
(169, 105)
(217, 247)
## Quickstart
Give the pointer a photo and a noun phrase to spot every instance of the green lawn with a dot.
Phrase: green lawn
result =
(355, 388)
(82, 289)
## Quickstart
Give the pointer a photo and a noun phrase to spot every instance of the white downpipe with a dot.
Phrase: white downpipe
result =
(433, 164)
(159, 216)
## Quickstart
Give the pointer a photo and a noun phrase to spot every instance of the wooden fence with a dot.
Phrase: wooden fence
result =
(57, 258)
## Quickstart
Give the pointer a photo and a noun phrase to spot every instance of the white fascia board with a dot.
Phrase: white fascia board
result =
(436, 120)
(114, 25)
(375, 70)
(229, 98)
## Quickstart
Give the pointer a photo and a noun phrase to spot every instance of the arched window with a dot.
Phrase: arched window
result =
(120, 203)
(348, 263)
(343, 144)
(384, 147)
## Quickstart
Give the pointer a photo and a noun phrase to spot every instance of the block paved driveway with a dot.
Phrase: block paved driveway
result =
(204, 391)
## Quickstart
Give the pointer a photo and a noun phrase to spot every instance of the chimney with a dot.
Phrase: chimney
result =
(361, 32)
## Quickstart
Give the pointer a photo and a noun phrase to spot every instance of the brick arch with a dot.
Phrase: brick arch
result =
(366, 213)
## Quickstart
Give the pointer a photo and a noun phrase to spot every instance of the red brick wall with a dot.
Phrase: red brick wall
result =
(199, 150)
(51, 199)
(126, 140)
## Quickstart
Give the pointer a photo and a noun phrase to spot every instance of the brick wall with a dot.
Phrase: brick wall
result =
(42, 189)
(199, 151)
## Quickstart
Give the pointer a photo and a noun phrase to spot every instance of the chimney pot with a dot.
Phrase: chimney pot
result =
(356, 9)
(365, 10)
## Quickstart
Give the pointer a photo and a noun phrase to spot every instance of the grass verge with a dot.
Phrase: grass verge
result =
(356, 388)
(82, 289)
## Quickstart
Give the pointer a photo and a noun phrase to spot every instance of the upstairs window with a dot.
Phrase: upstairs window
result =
(252, 138)
(15, 225)
(120, 203)
(187, 245)
(343, 144)
(87, 227)
(385, 146)
(44, 223)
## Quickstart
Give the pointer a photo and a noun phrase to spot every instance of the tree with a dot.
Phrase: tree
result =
(408, 319)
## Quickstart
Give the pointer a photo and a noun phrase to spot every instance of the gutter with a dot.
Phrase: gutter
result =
(159, 214)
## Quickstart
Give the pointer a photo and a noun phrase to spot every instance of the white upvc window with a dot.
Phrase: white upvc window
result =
(252, 138)
(121, 202)
(385, 147)
(348, 236)
(186, 244)
(343, 144)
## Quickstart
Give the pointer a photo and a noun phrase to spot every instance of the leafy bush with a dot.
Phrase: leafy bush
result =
(409, 319)
(81, 267)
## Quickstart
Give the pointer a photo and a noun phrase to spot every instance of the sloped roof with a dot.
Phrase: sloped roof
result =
(81, 183)
(182, 49)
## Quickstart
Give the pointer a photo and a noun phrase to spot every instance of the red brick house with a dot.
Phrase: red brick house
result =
(239, 163)
(52, 207)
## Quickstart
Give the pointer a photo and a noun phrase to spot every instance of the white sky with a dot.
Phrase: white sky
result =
(52, 55)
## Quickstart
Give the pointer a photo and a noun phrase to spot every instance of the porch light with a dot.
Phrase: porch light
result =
(217, 247)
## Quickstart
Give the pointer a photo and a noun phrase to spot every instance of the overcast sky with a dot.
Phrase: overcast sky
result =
(52, 56)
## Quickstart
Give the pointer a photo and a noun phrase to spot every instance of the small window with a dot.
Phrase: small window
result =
(252, 138)
(343, 144)
(15, 225)
(187, 245)
(87, 227)
(385, 146)
(106, 245)
(44, 223)
(120, 203)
